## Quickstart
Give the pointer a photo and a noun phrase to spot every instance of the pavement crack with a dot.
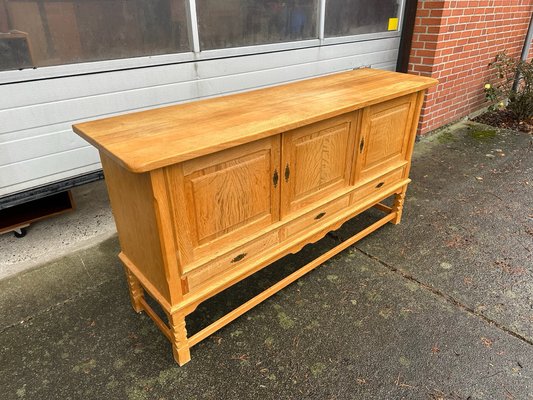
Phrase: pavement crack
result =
(450, 299)
(53, 307)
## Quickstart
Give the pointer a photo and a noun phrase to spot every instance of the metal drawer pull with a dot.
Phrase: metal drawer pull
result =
(239, 257)
(275, 178)
(362, 145)
(320, 215)
(380, 184)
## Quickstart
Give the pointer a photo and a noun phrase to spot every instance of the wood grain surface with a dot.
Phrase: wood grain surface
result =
(316, 161)
(151, 139)
(207, 193)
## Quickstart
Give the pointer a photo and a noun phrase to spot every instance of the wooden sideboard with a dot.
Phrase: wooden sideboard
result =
(206, 193)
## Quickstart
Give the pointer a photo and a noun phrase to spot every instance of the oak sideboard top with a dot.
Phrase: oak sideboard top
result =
(146, 140)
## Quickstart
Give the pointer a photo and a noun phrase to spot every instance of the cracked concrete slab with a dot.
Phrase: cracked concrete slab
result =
(422, 310)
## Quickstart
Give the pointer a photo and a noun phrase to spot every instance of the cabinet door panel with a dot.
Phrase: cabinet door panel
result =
(229, 195)
(317, 161)
(385, 134)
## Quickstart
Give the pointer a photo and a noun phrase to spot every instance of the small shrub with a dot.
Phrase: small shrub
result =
(501, 92)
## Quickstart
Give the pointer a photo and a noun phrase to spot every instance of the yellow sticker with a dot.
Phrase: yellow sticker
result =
(393, 24)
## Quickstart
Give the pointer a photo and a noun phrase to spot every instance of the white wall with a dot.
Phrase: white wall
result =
(37, 145)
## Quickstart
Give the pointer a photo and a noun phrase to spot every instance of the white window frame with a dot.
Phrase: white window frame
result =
(58, 71)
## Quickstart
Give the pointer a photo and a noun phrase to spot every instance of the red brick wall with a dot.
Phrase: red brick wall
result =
(454, 41)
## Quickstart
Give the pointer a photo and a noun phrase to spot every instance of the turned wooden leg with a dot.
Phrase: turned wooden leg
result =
(397, 207)
(135, 289)
(180, 345)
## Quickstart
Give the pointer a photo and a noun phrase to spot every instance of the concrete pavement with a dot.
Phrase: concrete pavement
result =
(439, 307)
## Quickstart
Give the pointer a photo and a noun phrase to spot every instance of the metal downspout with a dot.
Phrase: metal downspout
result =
(525, 51)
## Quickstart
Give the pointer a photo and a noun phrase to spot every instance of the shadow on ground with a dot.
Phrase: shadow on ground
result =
(439, 307)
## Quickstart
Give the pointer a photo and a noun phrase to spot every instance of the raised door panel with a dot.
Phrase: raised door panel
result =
(226, 197)
(384, 138)
(316, 161)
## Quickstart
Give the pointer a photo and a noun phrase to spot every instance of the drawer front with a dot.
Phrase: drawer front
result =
(377, 185)
(316, 217)
(234, 259)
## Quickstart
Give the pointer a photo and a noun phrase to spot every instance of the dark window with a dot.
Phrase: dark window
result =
(234, 23)
(52, 32)
(354, 17)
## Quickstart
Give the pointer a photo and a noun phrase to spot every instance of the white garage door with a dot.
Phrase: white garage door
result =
(66, 61)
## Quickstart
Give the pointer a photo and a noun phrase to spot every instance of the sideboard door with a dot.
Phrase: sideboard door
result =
(227, 196)
(316, 161)
(384, 136)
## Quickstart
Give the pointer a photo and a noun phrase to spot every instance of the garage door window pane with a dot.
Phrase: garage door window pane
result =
(234, 23)
(354, 17)
(52, 32)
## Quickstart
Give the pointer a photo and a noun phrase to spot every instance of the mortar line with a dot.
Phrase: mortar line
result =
(453, 301)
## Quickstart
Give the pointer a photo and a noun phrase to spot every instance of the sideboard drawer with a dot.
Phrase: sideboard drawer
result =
(234, 258)
(378, 184)
(316, 216)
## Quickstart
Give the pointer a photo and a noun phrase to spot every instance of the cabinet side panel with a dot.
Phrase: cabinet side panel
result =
(413, 129)
(132, 202)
